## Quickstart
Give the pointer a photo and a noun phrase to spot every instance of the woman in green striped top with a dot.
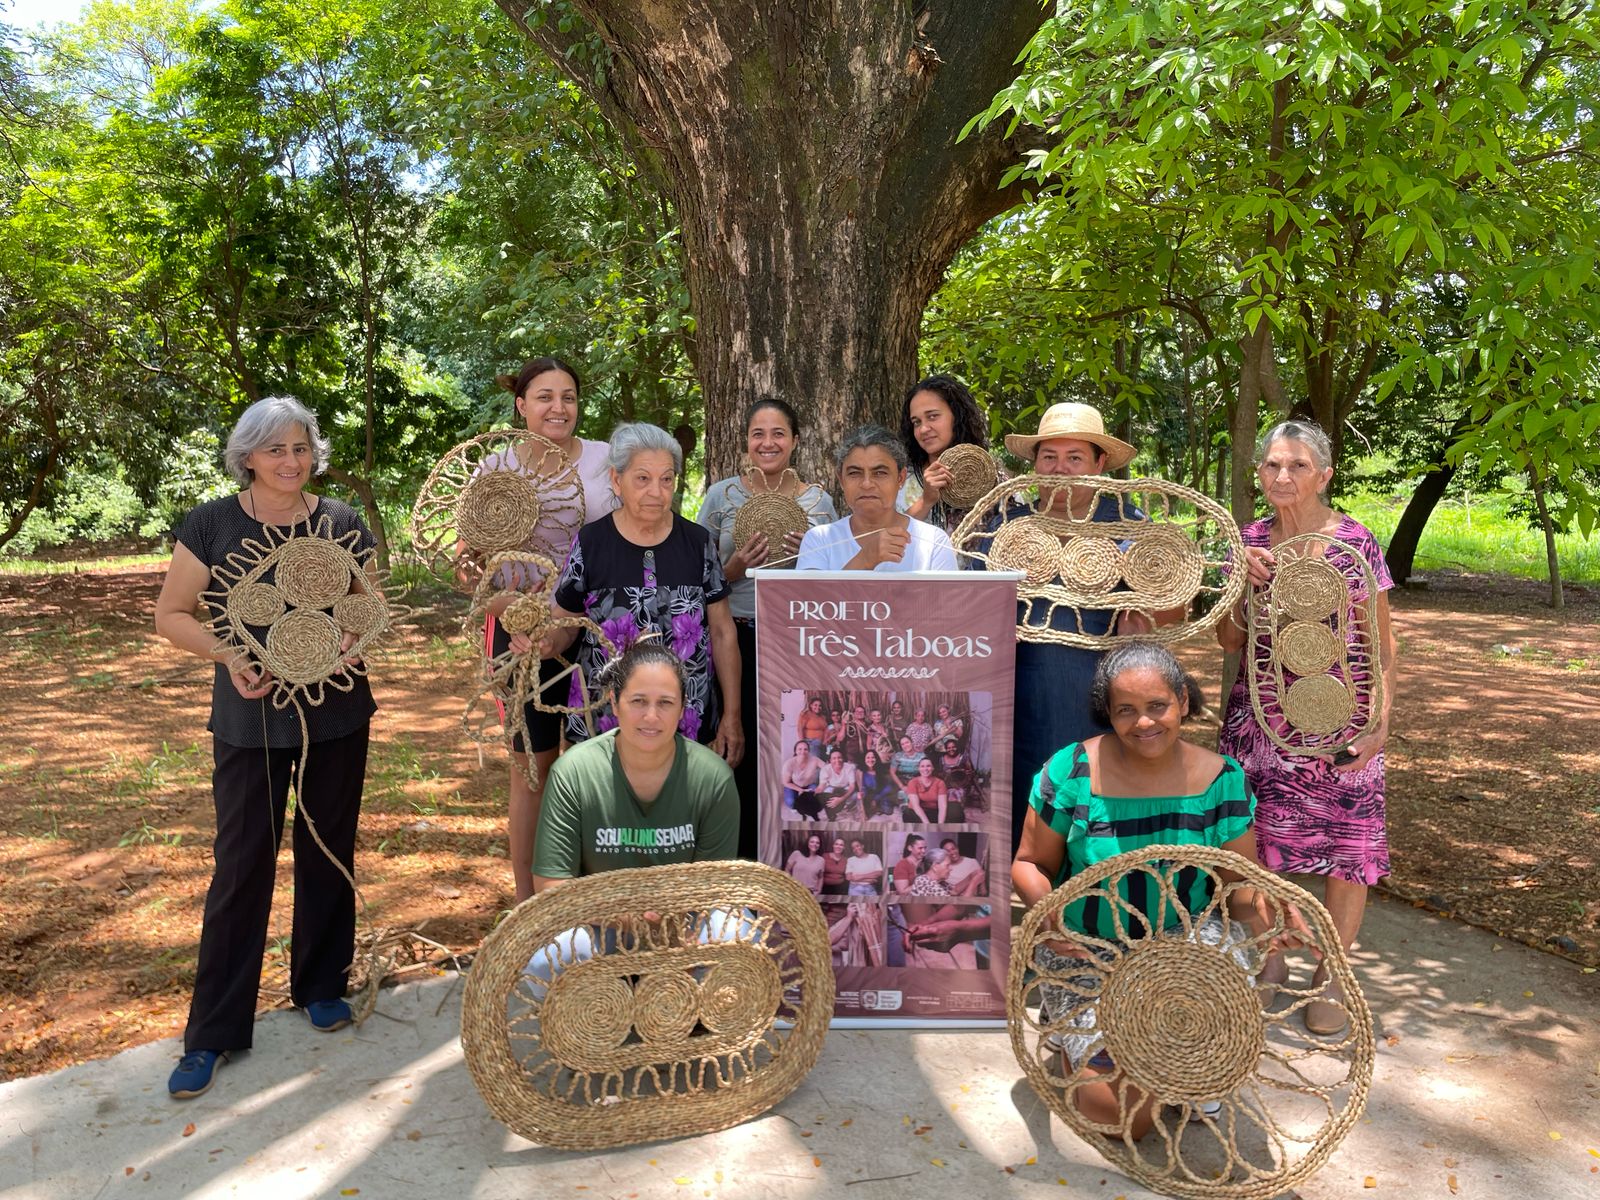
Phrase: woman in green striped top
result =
(1141, 785)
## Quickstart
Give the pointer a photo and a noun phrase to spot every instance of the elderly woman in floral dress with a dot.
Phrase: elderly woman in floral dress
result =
(644, 570)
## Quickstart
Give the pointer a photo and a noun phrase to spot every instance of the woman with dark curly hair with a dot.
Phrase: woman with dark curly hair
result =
(938, 412)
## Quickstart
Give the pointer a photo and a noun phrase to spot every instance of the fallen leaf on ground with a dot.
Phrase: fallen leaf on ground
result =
(349, 1191)
(846, 1121)
(1029, 1161)
(127, 1170)
(682, 1180)
(805, 1133)
(1371, 1181)
(447, 891)
(1451, 1184)
(1009, 1170)
(414, 1136)
(1554, 1136)
(188, 1130)
(938, 1162)
(815, 1161)
(1392, 1039)
(921, 1129)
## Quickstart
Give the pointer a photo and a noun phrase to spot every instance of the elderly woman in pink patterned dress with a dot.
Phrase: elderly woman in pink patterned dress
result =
(1314, 814)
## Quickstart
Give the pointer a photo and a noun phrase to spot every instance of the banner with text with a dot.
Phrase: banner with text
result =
(884, 710)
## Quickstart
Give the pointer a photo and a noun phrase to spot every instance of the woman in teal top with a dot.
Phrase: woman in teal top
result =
(1141, 785)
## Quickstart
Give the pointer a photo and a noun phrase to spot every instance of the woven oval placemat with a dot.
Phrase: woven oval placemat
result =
(1168, 548)
(1187, 1023)
(666, 1034)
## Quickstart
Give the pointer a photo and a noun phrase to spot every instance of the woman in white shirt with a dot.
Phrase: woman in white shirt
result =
(838, 787)
(864, 871)
(874, 537)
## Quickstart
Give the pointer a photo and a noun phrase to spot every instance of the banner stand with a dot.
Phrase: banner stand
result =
(888, 699)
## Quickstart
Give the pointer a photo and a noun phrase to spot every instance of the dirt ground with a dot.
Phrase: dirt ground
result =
(105, 813)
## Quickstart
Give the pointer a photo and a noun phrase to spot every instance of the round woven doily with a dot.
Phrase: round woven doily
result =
(1309, 589)
(772, 514)
(973, 471)
(1318, 704)
(1185, 1022)
(1307, 647)
(1091, 564)
(499, 510)
(665, 1036)
(505, 490)
(1026, 546)
(284, 625)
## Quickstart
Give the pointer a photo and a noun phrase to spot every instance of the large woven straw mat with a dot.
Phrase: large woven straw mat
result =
(286, 601)
(1186, 1023)
(666, 1035)
(973, 473)
(1167, 547)
(505, 490)
(772, 514)
(1314, 666)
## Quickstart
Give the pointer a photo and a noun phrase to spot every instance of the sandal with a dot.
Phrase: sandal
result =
(1325, 1017)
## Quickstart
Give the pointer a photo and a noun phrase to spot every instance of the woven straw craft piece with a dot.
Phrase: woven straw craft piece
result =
(287, 602)
(675, 1030)
(505, 490)
(513, 679)
(772, 514)
(973, 473)
(1174, 556)
(1185, 1022)
(1315, 673)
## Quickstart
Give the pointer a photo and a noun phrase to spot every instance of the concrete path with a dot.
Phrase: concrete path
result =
(1488, 1085)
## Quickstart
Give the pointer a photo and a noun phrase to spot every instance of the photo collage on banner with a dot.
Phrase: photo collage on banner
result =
(885, 780)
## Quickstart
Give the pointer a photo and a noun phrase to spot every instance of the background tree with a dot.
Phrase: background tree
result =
(811, 157)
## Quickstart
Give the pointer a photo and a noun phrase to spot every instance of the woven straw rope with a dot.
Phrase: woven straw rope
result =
(1313, 655)
(1177, 556)
(664, 1037)
(1185, 1023)
(473, 505)
(973, 472)
(311, 574)
(513, 679)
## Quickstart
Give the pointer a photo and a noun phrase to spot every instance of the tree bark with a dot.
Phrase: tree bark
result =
(810, 153)
(1552, 559)
(1401, 554)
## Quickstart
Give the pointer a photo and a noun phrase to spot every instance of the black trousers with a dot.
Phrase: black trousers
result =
(250, 788)
(745, 774)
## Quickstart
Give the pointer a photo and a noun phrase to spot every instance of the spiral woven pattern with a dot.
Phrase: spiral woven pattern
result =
(256, 604)
(772, 514)
(1307, 647)
(1180, 1028)
(1309, 589)
(303, 646)
(973, 472)
(498, 511)
(591, 1060)
(1163, 568)
(1090, 563)
(527, 614)
(359, 612)
(1184, 1022)
(1313, 663)
(313, 572)
(504, 490)
(1026, 546)
(1318, 704)
(1159, 548)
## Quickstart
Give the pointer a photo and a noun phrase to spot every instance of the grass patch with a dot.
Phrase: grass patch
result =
(72, 566)
(1479, 536)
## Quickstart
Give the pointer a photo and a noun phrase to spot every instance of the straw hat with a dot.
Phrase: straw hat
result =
(1080, 421)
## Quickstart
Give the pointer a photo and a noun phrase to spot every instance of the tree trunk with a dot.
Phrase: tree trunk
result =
(369, 504)
(1401, 554)
(811, 155)
(1552, 560)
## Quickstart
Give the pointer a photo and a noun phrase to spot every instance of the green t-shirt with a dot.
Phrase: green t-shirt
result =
(1100, 827)
(592, 822)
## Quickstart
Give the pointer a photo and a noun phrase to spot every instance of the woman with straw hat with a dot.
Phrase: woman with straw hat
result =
(1052, 681)
(771, 432)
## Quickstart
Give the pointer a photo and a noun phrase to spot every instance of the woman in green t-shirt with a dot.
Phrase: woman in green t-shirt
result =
(1141, 785)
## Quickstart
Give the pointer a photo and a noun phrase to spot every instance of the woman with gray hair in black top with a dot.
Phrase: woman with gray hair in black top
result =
(273, 453)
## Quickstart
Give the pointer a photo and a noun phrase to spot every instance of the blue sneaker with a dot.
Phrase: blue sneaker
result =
(327, 1015)
(194, 1074)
